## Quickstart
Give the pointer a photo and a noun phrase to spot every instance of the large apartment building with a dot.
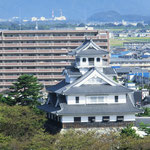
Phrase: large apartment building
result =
(43, 53)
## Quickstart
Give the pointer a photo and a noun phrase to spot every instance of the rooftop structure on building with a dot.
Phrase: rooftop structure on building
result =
(144, 63)
(43, 53)
(88, 96)
(135, 45)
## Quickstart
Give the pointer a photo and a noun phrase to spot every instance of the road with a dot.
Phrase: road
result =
(145, 120)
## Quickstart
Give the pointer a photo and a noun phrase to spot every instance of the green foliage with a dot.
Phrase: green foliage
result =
(7, 100)
(78, 141)
(115, 79)
(128, 131)
(146, 112)
(145, 127)
(18, 121)
(26, 91)
(129, 81)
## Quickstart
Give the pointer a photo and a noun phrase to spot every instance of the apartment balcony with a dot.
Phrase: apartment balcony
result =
(35, 64)
(48, 83)
(37, 58)
(5, 83)
(30, 70)
(36, 38)
(42, 51)
(38, 76)
(47, 44)
(50, 31)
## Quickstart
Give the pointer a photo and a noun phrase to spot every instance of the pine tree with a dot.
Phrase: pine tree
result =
(26, 91)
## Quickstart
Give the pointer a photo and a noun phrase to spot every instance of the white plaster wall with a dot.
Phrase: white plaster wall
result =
(113, 118)
(98, 118)
(130, 117)
(121, 99)
(84, 119)
(72, 100)
(84, 63)
(98, 64)
(67, 119)
(107, 99)
(95, 74)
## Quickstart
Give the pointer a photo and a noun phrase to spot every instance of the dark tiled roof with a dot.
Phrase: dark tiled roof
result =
(68, 89)
(130, 70)
(137, 97)
(73, 72)
(58, 86)
(96, 89)
(147, 99)
(108, 71)
(93, 109)
(91, 52)
(112, 60)
(89, 48)
(49, 108)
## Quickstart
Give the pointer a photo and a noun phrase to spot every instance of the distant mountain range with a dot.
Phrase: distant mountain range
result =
(113, 16)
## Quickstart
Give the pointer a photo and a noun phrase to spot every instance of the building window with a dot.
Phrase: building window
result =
(77, 119)
(106, 118)
(77, 99)
(116, 99)
(98, 59)
(120, 118)
(95, 99)
(84, 59)
(91, 119)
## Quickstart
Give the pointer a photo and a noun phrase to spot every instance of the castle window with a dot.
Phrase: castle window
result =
(120, 118)
(106, 118)
(91, 119)
(84, 59)
(77, 119)
(95, 99)
(98, 59)
(77, 99)
(116, 99)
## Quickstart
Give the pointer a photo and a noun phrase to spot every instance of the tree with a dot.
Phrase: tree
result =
(128, 131)
(18, 121)
(26, 91)
(140, 25)
(145, 127)
(7, 100)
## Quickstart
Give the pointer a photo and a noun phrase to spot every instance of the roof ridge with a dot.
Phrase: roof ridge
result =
(78, 80)
(106, 77)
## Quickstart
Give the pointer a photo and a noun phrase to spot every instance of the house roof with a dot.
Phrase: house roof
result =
(96, 89)
(130, 70)
(109, 71)
(73, 72)
(92, 109)
(58, 86)
(89, 48)
(113, 60)
(147, 99)
(137, 97)
(69, 89)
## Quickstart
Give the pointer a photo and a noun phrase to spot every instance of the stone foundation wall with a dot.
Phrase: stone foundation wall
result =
(96, 124)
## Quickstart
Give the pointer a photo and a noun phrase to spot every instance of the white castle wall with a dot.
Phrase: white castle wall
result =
(71, 100)
(113, 118)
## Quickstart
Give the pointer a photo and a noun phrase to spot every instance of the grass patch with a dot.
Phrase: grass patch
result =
(120, 41)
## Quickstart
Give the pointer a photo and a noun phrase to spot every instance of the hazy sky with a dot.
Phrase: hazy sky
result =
(74, 9)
